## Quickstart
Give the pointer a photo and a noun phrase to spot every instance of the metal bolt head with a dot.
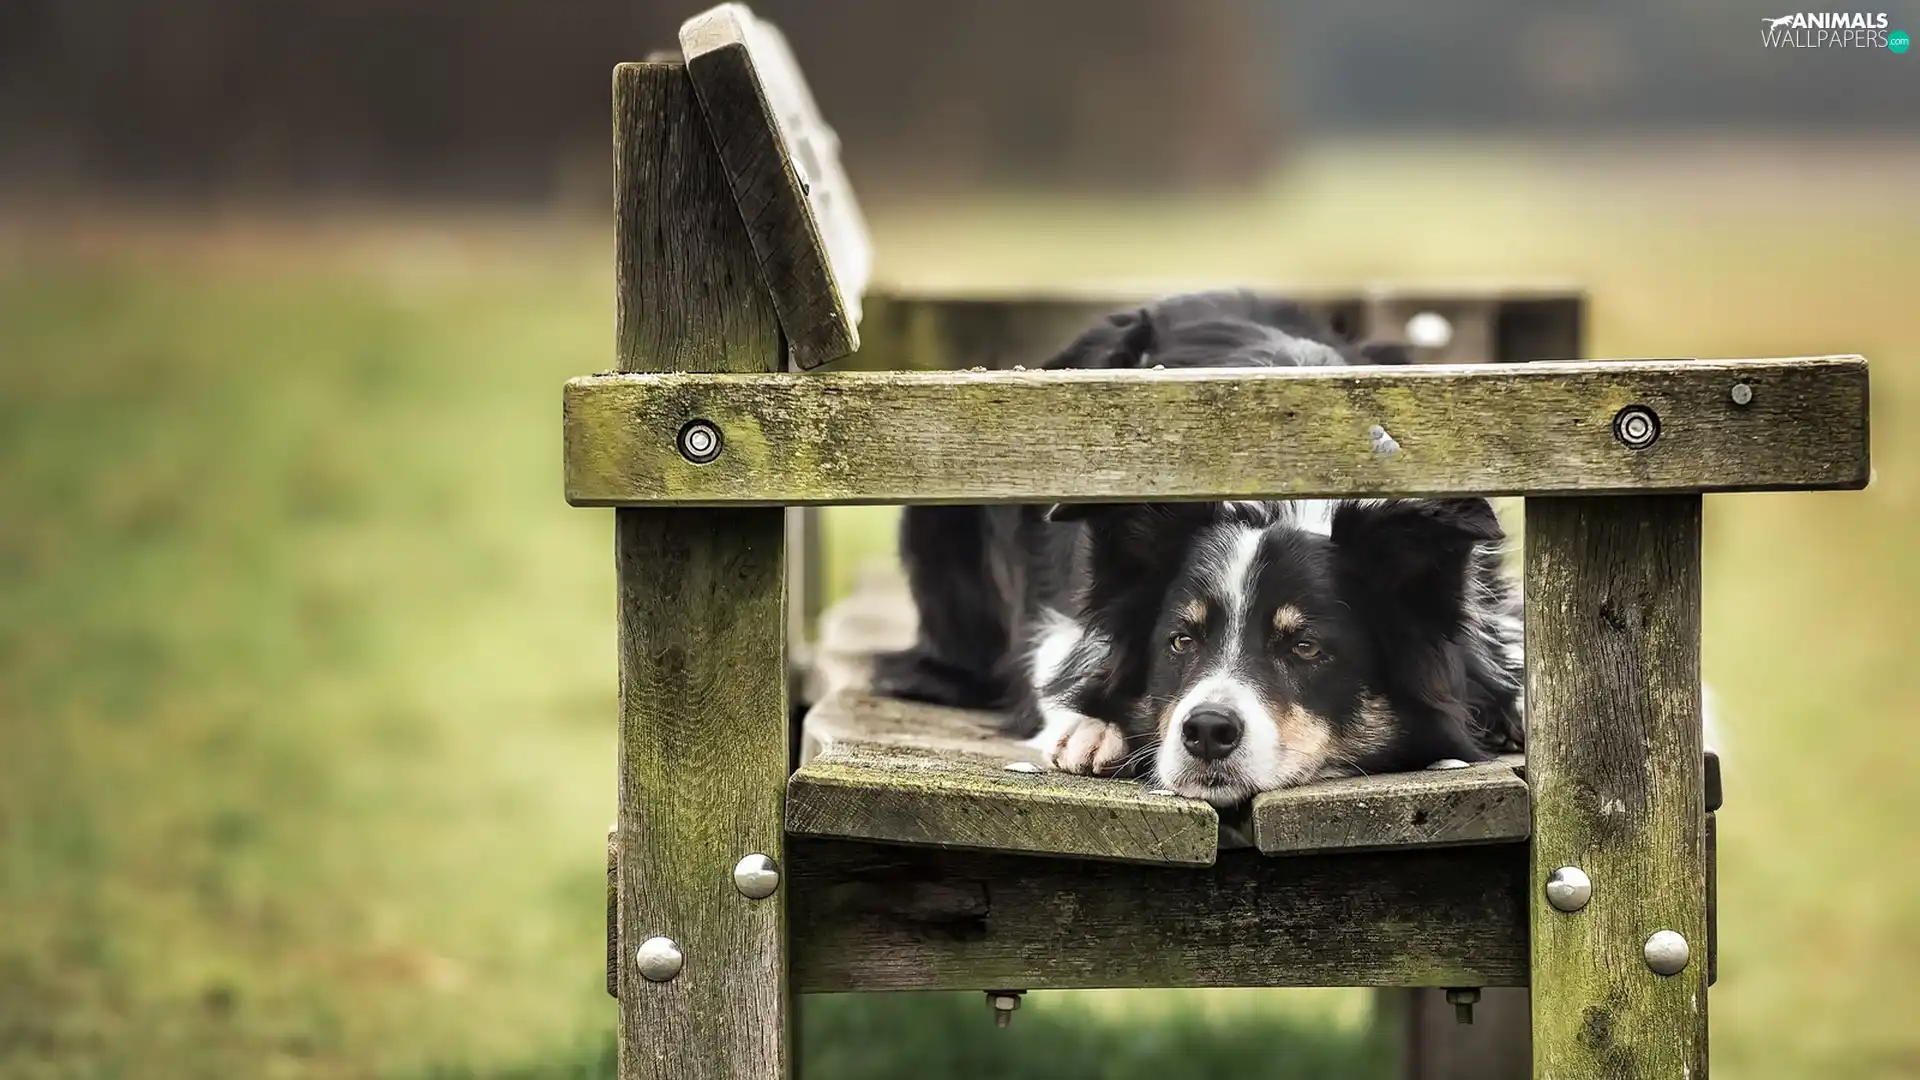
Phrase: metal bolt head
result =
(1742, 394)
(1569, 888)
(756, 876)
(699, 441)
(1666, 952)
(1004, 1004)
(1463, 999)
(1448, 763)
(1636, 426)
(659, 959)
(1022, 767)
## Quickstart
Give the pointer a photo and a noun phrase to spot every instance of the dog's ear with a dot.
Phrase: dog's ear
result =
(1137, 538)
(1385, 352)
(1418, 552)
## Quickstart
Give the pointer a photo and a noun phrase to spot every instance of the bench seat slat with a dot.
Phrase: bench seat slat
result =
(1479, 804)
(880, 770)
(1091, 436)
(947, 785)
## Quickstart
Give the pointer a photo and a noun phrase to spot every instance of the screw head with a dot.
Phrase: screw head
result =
(1022, 767)
(1429, 330)
(1463, 999)
(1569, 888)
(756, 876)
(1666, 952)
(1636, 426)
(659, 959)
(700, 441)
(1742, 394)
(1448, 763)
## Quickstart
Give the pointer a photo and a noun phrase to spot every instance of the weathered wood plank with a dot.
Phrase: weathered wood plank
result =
(920, 774)
(783, 164)
(703, 749)
(1480, 804)
(1617, 771)
(1100, 435)
(871, 917)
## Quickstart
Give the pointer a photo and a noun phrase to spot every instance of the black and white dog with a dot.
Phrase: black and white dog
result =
(1222, 648)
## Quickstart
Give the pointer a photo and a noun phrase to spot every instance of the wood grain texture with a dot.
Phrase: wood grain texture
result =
(703, 748)
(613, 912)
(1093, 436)
(783, 165)
(1616, 766)
(870, 917)
(1480, 804)
(905, 773)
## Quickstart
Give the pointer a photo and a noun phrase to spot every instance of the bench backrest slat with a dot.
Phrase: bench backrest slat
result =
(783, 164)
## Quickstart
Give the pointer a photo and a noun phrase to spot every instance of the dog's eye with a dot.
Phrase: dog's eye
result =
(1179, 642)
(1306, 650)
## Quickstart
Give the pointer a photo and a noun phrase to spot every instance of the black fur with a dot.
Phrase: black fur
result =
(1415, 578)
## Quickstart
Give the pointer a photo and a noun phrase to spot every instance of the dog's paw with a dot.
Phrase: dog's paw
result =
(1090, 748)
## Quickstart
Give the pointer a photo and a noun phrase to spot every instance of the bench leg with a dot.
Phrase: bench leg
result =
(1615, 761)
(702, 970)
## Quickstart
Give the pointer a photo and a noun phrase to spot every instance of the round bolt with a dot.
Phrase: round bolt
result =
(1448, 763)
(1022, 767)
(1742, 394)
(1004, 1004)
(700, 441)
(756, 876)
(1569, 888)
(1637, 426)
(1463, 999)
(1429, 330)
(1666, 953)
(659, 959)
(1164, 792)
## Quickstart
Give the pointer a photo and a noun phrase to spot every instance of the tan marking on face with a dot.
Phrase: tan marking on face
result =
(1288, 619)
(1305, 736)
(1195, 612)
(1372, 729)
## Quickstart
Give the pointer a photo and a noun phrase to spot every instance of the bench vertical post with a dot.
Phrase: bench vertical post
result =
(703, 741)
(1615, 761)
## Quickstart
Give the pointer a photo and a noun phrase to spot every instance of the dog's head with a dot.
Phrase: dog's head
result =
(1220, 329)
(1267, 644)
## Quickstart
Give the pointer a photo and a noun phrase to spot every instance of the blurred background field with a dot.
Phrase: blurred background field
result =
(306, 672)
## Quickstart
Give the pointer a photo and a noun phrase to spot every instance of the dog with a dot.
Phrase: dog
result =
(1221, 649)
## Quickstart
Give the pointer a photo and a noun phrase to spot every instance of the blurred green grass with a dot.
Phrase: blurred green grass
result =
(306, 676)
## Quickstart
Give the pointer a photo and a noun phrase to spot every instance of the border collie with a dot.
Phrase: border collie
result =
(1221, 649)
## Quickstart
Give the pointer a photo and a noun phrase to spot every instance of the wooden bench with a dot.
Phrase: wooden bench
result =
(912, 848)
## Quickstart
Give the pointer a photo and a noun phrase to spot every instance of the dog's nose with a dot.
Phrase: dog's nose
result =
(1210, 734)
